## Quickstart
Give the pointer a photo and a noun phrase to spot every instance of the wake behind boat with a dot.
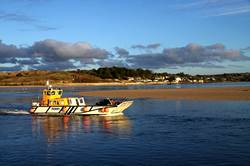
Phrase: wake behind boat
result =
(52, 103)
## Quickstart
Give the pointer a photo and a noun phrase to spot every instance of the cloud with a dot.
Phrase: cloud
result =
(215, 7)
(14, 68)
(25, 19)
(153, 46)
(27, 61)
(62, 65)
(233, 11)
(150, 46)
(202, 65)
(8, 53)
(112, 62)
(121, 51)
(45, 28)
(39, 28)
(138, 46)
(52, 50)
(246, 49)
(16, 17)
(52, 54)
(191, 54)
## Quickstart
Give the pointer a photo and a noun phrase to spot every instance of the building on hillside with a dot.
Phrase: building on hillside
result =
(178, 79)
(200, 81)
(131, 78)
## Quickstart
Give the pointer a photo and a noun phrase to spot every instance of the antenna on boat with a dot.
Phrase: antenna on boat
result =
(48, 85)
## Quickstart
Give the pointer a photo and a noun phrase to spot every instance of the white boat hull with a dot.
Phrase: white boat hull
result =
(81, 110)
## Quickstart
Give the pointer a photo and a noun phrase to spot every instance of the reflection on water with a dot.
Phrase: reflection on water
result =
(54, 127)
(153, 132)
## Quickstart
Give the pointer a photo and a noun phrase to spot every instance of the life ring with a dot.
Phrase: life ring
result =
(32, 110)
(105, 109)
(65, 109)
(85, 109)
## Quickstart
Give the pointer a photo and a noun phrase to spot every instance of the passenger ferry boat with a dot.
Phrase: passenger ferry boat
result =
(52, 103)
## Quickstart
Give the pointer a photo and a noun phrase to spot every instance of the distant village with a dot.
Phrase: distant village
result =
(183, 78)
(167, 79)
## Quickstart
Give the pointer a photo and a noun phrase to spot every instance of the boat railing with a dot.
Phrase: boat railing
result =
(35, 103)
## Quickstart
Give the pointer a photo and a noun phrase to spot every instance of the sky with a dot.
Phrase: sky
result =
(190, 36)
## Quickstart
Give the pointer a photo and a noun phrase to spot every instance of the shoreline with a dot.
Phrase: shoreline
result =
(107, 84)
(95, 84)
(218, 93)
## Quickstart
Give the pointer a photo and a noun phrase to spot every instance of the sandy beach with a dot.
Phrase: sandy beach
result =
(221, 93)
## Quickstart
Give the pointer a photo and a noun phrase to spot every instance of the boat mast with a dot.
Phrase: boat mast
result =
(48, 85)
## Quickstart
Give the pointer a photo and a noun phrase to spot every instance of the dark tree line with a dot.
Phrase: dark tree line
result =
(123, 73)
(120, 73)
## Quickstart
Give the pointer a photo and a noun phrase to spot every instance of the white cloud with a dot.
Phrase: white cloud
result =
(215, 7)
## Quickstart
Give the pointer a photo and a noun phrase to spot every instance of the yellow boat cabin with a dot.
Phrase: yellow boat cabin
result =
(53, 97)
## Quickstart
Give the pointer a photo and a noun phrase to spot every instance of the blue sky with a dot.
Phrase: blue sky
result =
(193, 36)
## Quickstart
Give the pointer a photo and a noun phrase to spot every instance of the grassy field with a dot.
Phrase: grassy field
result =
(40, 77)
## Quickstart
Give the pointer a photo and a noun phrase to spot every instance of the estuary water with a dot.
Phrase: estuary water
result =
(151, 132)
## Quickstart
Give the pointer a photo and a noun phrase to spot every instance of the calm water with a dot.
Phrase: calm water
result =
(151, 132)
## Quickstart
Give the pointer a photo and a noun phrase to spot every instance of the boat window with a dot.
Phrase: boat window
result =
(81, 101)
(59, 92)
(77, 103)
(48, 92)
(53, 93)
(104, 102)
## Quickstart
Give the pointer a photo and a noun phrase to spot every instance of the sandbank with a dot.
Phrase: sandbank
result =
(220, 93)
